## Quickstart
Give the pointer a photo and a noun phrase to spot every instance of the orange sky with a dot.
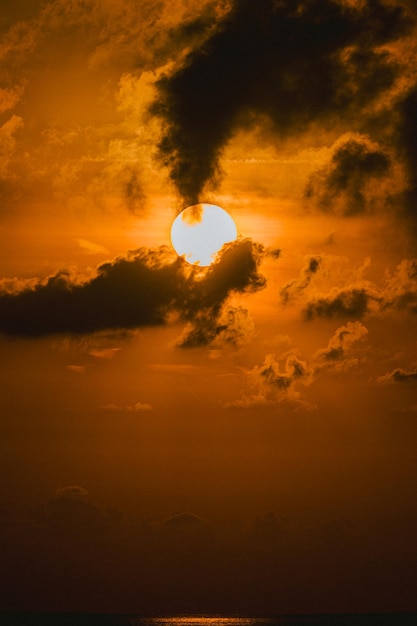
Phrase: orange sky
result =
(176, 441)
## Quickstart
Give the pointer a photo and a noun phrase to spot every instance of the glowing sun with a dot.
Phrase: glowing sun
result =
(199, 232)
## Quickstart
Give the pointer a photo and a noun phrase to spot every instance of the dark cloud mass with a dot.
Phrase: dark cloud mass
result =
(137, 290)
(293, 63)
(295, 287)
(405, 139)
(70, 511)
(398, 375)
(353, 302)
(340, 187)
(397, 294)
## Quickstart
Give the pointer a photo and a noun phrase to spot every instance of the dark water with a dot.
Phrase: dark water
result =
(75, 619)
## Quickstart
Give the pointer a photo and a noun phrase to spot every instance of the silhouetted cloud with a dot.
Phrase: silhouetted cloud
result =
(239, 271)
(272, 374)
(294, 287)
(398, 375)
(340, 187)
(137, 290)
(291, 63)
(353, 302)
(405, 140)
(233, 326)
(339, 353)
(278, 379)
(70, 511)
(398, 293)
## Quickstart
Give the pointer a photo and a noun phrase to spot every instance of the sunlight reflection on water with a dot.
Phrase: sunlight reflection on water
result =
(206, 621)
(387, 619)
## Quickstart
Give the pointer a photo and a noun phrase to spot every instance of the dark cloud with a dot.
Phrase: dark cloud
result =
(71, 512)
(398, 294)
(405, 140)
(234, 326)
(340, 347)
(398, 375)
(340, 186)
(186, 564)
(278, 379)
(407, 132)
(137, 290)
(351, 302)
(239, 272)
(271, 372)
(400, 291)
(291, 289)
(293, 63)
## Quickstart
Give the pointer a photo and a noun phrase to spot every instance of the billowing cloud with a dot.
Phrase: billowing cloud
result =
(405, 140)
(70, 511)
(398, 375)
(338, 353)
(350, 302)
(271, 372)
(116, 35)
(398, 293)
(10, 97)
(8, 145)
(233, 326)
(277, 380)
(294, 287)
(82, 119)
(343, 186)
(292, 64)
(137, 290)
(401, 289)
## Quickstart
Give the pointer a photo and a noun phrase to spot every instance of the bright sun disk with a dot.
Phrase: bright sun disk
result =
(200, 231)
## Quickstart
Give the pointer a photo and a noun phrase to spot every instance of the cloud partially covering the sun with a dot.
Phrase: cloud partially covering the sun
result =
(141, 289)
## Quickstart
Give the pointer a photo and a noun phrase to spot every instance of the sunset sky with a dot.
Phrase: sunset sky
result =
(239, 438)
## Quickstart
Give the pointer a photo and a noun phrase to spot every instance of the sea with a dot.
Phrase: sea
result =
(93, 619)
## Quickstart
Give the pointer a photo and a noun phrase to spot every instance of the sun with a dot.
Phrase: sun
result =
(199, 232)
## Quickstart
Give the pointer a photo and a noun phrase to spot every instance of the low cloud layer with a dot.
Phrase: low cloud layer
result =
(140, 289)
